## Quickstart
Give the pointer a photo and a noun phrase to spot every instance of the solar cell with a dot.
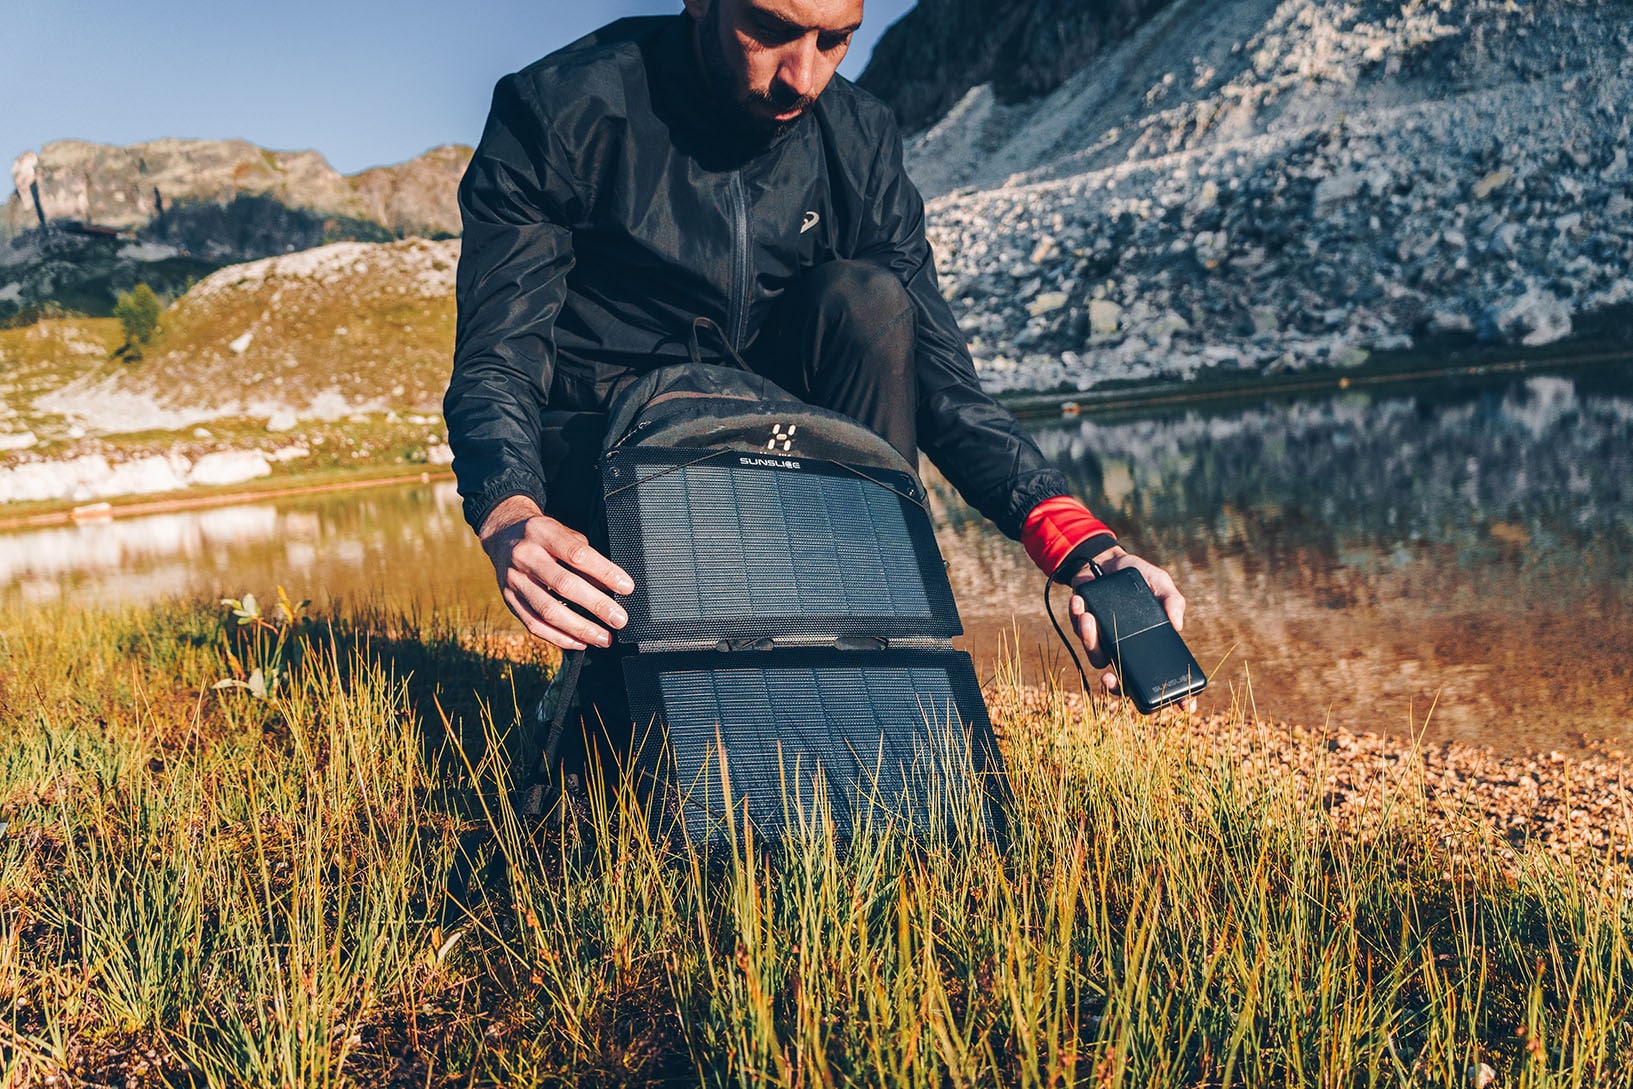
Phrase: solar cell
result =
(895, 734)
(723, 545)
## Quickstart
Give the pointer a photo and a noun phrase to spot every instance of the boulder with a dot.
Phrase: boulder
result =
(1046, 303)
(229, 467)
(1105, 317)
(1492, 182)
(1533, 318)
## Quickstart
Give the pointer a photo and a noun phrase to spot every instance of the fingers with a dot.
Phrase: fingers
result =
(557, 585)
(1088, 632)
(537, 625)
(572, 549)
(1162, 586)
(550, 613)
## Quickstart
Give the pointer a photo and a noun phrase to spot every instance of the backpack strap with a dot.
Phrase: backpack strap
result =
(572, 664)
(700, 323)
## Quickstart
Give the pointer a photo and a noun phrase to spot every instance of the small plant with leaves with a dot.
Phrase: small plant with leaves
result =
(258, 645)
(138, 312)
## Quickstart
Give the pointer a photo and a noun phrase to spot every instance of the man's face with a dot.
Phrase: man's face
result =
(772, 58)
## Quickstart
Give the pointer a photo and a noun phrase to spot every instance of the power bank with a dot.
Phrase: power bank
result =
(1154, 666)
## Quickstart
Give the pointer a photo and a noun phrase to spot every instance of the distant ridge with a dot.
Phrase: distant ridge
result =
(129, 188)
(87, 221)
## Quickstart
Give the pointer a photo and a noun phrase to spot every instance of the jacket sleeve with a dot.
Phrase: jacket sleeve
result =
(976, 443)
(517, 204)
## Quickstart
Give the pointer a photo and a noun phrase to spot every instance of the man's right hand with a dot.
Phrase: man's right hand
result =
(542, 565)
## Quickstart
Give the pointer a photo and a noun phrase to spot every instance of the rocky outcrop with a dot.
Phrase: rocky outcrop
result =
(926, 61)
(138, 188)
(1274, 184)
(168, 212)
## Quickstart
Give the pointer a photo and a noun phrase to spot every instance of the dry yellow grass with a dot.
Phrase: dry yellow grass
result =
(200, 885)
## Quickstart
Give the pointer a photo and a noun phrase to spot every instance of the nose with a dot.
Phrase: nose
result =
(798, 68)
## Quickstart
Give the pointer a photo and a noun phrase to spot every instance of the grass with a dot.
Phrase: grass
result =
(203, 887)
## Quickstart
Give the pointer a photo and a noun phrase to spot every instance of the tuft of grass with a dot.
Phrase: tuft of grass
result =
(213, 886)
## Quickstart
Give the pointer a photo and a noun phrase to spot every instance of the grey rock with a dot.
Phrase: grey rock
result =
(1446, 321)
(1105, 317)
(1339, 187)
(1506, 240)
(1046, 303)
(1491, 183)
(1534, 318)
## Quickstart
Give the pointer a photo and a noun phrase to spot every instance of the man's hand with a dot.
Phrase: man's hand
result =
(1162, 586)
(542, 565)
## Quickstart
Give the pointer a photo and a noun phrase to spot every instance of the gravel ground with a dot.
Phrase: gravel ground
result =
(1575, 807)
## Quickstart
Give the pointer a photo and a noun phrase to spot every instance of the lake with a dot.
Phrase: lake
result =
(1455, 560)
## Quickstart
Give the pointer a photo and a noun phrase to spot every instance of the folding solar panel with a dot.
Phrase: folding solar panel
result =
(847, 736)
(791, 629)
(726, 545)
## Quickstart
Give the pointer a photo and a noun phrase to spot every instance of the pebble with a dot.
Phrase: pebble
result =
(1491, 183)
(1104, 317)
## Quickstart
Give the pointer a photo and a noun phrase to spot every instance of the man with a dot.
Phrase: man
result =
(711, 165)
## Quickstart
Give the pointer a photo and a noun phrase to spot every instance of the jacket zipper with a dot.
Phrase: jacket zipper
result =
(737, 319)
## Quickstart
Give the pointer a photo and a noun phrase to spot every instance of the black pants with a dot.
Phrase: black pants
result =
(842, 337)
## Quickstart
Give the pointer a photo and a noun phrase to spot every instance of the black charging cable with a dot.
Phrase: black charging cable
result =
(1049, 607)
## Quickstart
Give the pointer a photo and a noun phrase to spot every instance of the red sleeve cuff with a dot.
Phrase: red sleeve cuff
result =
(1056, 527)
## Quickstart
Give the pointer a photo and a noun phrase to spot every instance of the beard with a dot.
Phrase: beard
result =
(751, 112)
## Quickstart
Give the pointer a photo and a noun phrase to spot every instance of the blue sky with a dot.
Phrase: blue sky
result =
(365, 82)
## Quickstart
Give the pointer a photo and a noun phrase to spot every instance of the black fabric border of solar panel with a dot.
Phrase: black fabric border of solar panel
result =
(691, 766)
(762, 573)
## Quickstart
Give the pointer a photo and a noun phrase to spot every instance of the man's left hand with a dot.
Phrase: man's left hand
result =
(1162, 586)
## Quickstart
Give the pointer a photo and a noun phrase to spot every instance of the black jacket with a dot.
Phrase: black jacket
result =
(606, 207)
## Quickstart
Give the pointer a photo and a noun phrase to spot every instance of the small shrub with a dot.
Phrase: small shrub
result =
(138, 312)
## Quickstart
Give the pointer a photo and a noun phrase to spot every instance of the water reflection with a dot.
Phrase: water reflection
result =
(408, 545)
(1456, 558)
(1359, 559)
(1533, 464)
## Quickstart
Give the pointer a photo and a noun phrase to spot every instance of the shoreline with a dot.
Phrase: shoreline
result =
(71, 513)
(1419, 367)
(1406, 370)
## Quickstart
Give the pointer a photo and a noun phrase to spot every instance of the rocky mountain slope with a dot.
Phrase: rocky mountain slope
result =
(86, 221)
(925, 62)
(1270, 184)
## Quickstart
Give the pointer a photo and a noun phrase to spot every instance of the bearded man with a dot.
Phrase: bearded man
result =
(710, 164)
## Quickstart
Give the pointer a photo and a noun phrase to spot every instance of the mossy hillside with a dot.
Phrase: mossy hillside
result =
(341, 352)
(47, 356)
(352, 325)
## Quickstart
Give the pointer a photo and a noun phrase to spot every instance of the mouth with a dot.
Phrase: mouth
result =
(779, 108)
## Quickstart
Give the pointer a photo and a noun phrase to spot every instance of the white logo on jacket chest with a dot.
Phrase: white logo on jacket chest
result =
(811, 220)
